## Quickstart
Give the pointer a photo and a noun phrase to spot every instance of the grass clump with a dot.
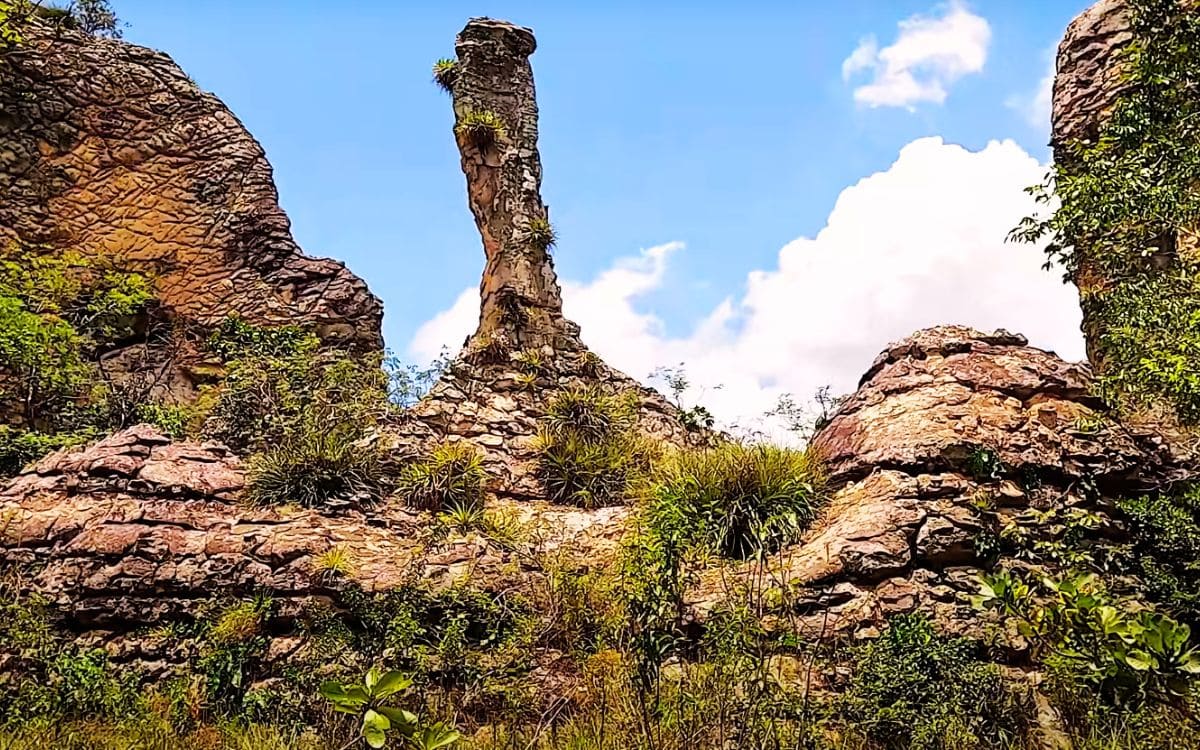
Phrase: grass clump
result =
(451, 477)
(445, 72)
(588, 451)
(314, 470)
(542, 235)
(735, 499)
(481, 127)
(915, 689)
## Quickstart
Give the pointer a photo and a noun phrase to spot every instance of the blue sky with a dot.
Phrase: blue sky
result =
(730, 129)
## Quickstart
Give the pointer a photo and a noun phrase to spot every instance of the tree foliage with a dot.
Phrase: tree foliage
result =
(1125, 214)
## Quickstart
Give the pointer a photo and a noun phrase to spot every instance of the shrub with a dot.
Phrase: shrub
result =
(541, 234)
(379, 720)
(451, 477)
(1165, 550)
(587, 474)
(279, 384)
(481, 127)
(19, 448)
(735, 499)
(316, 469)
(588, 452)
(445, 72)
(1128, 653)
(913, 688)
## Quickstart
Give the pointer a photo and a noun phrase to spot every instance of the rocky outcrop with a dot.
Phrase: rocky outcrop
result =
(136, 531)
(1088, 76)
(111, 150)
(492, 78)
(524, 351)
(950, 431)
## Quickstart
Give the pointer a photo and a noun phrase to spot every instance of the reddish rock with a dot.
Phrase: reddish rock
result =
(111, 150)
(904, 452)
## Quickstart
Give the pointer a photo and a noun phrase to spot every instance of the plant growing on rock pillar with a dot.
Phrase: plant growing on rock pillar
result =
(589, 453)
(542, 235)
(445, 71)
(316, 469)
(481, 127)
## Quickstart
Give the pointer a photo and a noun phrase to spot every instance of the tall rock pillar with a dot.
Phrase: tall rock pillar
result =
(496, 128)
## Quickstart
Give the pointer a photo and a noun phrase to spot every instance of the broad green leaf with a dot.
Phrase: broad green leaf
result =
(374, 728)
(391, 683)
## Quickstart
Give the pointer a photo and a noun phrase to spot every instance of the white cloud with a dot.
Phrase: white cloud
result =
(1035, 106)
(917, 245)
(929, 54)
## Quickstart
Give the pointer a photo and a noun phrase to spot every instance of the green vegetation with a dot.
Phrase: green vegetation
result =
(379, 720)
(737, 500)
(542, 235)
(481, 127)
(588, 451)
(445, 72)
(315, 470)
(451, 478)
(914, 688)
(94, 17)
(1125, 224)
(59, 312)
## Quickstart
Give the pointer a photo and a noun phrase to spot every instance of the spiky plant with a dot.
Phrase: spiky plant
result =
(445, 72)
(452, 476)
(541, 234)
(738, 500)
(481, 127)
(463, 518)
(315, 469)
(334, 562)
(588, 414)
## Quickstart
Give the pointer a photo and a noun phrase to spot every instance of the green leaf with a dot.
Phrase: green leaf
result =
(436, 736)
(391, 683)
(374, 728)
(403, 721)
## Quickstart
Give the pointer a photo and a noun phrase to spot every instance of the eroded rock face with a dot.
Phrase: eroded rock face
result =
(946, 421)
(521, 300)
(110, 149)
(136, 531)
(524, 351)
(1088, 76)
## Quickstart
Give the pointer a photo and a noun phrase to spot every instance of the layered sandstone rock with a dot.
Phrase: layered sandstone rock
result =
(110, 149)
(946, 423)
(524, 351)
(136, 531)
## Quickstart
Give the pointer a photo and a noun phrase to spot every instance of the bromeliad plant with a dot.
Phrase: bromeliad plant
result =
(380, 720)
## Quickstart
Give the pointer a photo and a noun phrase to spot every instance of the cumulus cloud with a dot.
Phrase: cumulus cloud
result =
(930, 53)
(919, 244)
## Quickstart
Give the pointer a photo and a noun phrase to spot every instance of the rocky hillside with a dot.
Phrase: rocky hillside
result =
(112, 151)
(979, 549)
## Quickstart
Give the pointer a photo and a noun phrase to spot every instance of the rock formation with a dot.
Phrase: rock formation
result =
(111, 150)
(137, 531)
(521, 303)
(944, 424)
(524, 351)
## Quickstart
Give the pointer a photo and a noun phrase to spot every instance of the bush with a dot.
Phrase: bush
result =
(317, 469)
(452, 477)
(279, 384)
(913, 688)
(1165, 551)
(588, 452)
(735, 499)
(19, 448)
